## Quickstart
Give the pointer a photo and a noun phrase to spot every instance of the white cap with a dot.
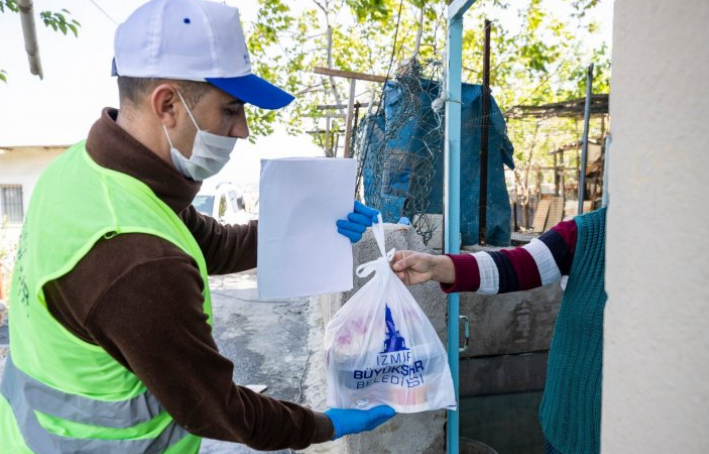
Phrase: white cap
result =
(192, 40)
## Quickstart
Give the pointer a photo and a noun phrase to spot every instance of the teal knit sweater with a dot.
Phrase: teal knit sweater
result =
(570, 413)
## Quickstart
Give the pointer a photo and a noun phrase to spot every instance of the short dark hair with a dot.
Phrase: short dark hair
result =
(132, 89)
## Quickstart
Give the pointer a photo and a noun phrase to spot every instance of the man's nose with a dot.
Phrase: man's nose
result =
(241, 127)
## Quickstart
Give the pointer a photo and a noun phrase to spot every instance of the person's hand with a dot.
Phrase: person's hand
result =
(418, 267)
(347, 422)
(357, 222)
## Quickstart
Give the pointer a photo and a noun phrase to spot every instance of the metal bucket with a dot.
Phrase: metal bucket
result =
(468, 446)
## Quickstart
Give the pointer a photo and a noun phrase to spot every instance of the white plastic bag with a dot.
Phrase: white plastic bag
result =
(382, 349)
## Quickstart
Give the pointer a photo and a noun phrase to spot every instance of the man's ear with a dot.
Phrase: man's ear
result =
(162, 103)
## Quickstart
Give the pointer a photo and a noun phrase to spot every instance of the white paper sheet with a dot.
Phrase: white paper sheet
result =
(300, 252)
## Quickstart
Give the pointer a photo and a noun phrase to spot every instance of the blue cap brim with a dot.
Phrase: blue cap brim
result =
(253, 90)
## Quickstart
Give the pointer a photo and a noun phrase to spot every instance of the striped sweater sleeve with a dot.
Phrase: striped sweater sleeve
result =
(541, 262)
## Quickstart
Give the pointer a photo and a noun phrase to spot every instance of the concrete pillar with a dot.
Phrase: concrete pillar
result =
(656, 360)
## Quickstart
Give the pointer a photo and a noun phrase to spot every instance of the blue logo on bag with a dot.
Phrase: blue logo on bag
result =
(395, 365)
(394, 341)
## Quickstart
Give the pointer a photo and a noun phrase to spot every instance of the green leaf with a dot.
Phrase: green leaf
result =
(538, 64)
(11, 5)
(59, 22)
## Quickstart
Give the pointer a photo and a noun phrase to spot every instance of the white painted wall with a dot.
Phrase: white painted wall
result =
(23, 166)
(656, 363)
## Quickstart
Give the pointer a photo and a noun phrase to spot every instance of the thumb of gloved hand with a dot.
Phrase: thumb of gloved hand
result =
(347, 422)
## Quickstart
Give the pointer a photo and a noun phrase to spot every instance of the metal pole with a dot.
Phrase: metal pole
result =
(556, 175)
(584, 149)
(563, 176)
(606, 166)
(327, 138)
(29, 32)
(359, 187)
(514, 203)
(452, 207)
(350, 113)
(356, 118)
(451, 197)
(484, 139)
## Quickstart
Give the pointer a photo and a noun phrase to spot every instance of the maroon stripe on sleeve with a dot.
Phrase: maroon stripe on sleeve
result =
(568, 231)
(467, 274)
(525, 267)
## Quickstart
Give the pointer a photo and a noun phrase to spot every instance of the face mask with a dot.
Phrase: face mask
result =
(210, 152)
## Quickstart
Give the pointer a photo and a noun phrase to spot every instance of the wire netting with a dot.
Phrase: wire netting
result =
(399, 147)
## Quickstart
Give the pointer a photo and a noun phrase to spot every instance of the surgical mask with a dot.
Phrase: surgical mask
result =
(210, 152)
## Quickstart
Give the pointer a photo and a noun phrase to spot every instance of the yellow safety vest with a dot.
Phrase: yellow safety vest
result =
(60, 394)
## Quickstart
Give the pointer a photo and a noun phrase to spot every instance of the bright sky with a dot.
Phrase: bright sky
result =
(60, 109)
(77, 84)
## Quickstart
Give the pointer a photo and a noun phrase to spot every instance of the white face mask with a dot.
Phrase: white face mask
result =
(210, 152)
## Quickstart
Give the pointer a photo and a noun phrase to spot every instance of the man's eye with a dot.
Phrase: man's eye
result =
(231, 111)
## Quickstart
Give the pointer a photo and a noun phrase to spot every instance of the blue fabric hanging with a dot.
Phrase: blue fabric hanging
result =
(407, 133)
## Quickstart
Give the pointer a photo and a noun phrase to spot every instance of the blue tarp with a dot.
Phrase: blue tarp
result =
(413, 155)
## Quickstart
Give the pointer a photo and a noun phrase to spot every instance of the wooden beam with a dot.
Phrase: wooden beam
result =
(349, 75)
(331, 115)
(331, 106)
(322, 131)
(353, 77)
(335, 106)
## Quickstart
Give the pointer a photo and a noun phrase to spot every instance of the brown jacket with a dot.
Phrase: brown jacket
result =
(140, 298)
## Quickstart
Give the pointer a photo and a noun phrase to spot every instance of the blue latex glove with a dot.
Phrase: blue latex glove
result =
(347, 422)
(357, 222)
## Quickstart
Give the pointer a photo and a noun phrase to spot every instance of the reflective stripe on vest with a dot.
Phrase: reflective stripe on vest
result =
(27, 395)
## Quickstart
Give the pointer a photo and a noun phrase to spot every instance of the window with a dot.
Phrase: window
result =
(232, 200)
(222, 206)
(11, 203)
(236, 202)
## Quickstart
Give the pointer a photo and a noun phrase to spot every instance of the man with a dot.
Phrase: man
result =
(570, 413)
(110, 318)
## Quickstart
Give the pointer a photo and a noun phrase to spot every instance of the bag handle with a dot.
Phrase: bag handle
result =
(378, 231)
(368, 268)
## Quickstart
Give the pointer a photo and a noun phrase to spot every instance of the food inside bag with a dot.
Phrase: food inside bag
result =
(382, 349)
